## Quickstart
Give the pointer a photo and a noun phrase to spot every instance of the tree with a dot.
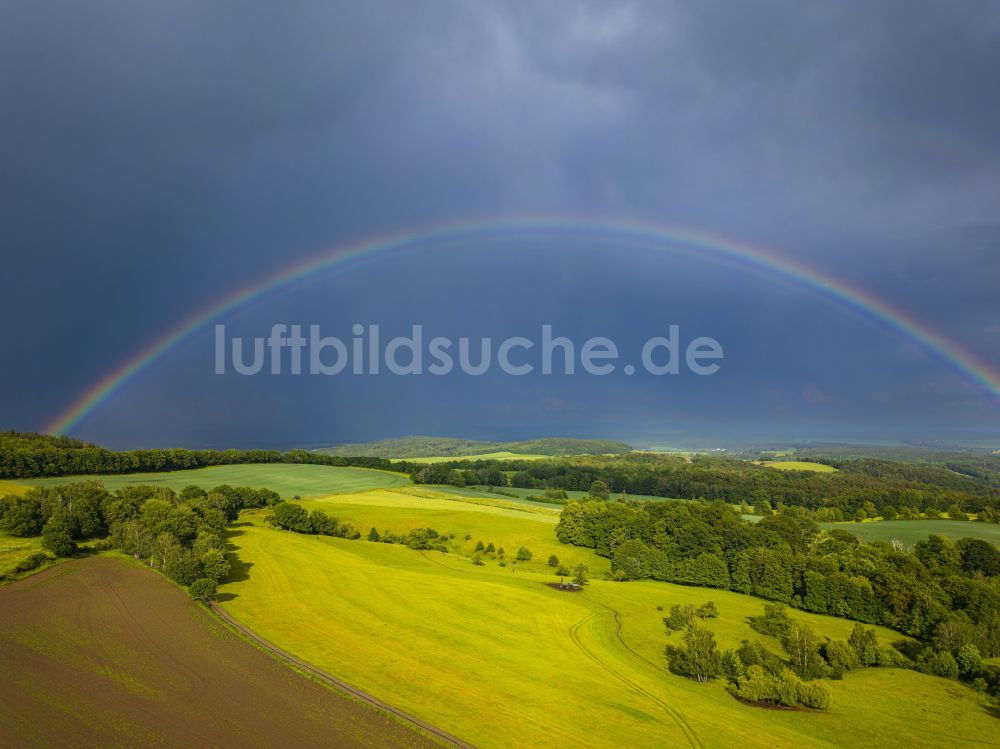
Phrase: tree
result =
(57, 538)
(580, 575)
(214, 564)
(841, 657)
(291, 517)
(477, 559)
(490, 548)
(865, 644)
(192, 491)
(20, 516)
(956, 513)
(979, 556)
(373, 535)
(480, 546)
(631, 560)
(203, 588)
(563, 572)
(706, 570)
(775, 622)
(600, 490)
(698, 657)
(524, 554)
(707, 610)
(679, 618)
(553, 560)
(732, 665)
(803, 647)
(970, 662)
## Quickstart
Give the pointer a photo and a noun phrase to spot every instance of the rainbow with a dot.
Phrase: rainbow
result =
(755, 258)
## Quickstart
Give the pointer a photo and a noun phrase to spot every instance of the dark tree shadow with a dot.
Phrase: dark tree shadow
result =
(239, 570)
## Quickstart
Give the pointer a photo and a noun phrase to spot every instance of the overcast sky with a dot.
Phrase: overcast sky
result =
(154, 157)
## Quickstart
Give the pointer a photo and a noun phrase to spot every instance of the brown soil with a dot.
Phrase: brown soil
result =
(97, 652)
(565, 588)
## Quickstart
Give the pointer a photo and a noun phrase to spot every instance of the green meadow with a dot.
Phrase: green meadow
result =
(911, 531)
(483, 491)
(15, 550)
(798, 465)
(288, 479)
(501, 455)
(501, 659)
(9, 487)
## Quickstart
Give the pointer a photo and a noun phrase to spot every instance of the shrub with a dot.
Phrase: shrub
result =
(891, 658)
(841, 658)
(970, 662)
(707, 610)
(937, 663)
(785, 688)
(775, 621)
(31, 562)
(680, 617)
(524, 554)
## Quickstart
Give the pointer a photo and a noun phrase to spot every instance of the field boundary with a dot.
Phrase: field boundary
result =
(334, 682)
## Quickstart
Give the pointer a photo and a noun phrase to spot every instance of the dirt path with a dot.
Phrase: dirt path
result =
(336, 683)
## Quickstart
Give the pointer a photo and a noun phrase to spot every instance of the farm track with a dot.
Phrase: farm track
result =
(336, 683)
(676, 716)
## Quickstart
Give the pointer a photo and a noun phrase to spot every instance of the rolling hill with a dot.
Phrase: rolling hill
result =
(427, 447)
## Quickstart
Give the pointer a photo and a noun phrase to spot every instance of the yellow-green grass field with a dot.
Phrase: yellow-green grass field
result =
(798, 465)
(14, 550)
(911, 531)
(495, 656)
(288, 479)
(9, 487)
(482, 491)
(502, 455)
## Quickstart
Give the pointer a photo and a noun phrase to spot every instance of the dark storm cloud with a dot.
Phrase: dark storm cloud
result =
(155, 156)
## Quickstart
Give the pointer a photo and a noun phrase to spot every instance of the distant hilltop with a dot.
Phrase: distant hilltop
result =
(432, 447)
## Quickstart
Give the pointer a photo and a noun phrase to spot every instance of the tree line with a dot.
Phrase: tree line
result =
(939, 592)
(860, 485)
(758, 676)
(28, 455)
(181, 535)
(295, 518)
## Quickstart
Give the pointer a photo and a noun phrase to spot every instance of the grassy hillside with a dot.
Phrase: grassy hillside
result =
(500, 659)
(104, 652)
(288, 479)
(447, 447)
